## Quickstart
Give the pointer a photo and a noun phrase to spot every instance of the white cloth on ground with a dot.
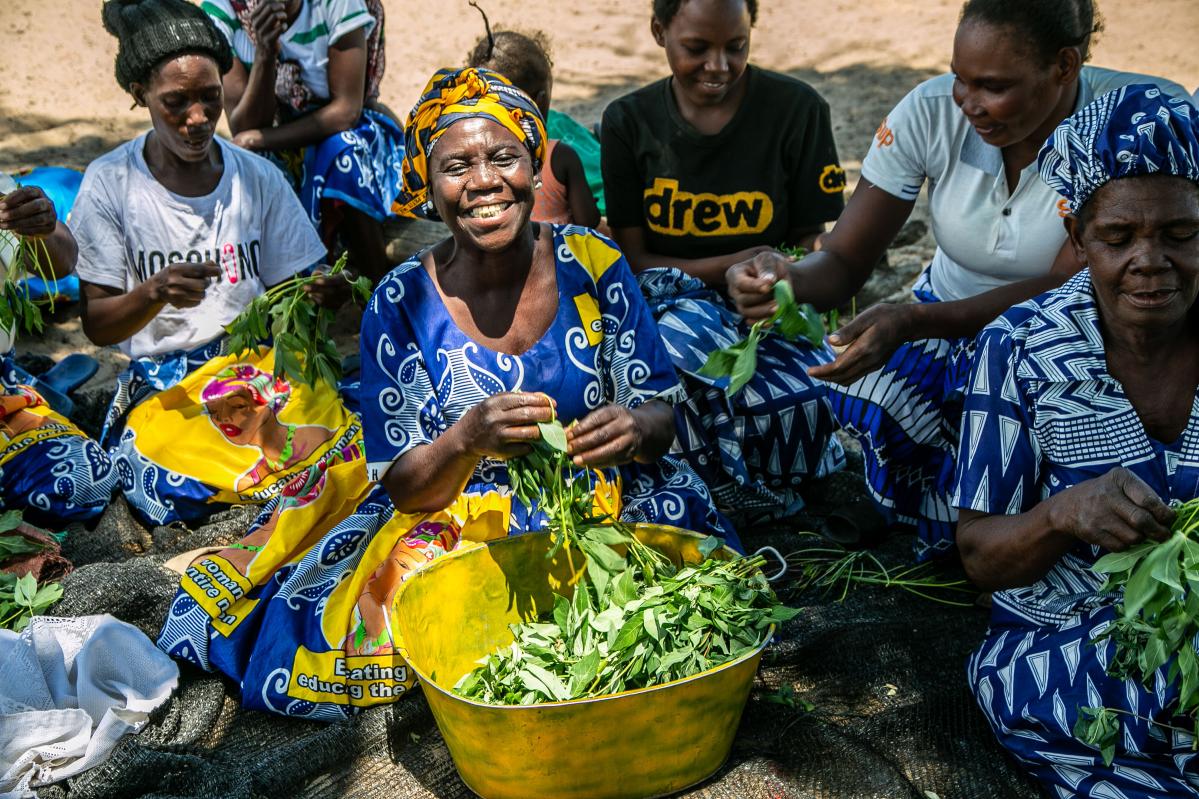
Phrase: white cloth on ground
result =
(70, 688)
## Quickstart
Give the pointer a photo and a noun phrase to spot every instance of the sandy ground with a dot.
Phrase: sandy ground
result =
(59, 102)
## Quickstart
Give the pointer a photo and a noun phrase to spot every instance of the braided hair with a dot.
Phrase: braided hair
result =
(522, 58)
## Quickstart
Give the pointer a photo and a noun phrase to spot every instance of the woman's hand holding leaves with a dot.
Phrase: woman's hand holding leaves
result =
(505, 425)
(1115, 511)
(182, 284)
(868, 341)
(751, 284)
(608, 436)
(27, 211)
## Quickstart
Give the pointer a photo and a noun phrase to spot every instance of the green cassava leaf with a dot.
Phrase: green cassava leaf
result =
(25, 590)
(10, 520)
(1099, 727)
(709, 545)
(553, 434)
(746, 362)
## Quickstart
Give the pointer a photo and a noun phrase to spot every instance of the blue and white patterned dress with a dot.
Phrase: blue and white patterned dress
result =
(310, 565)
(907, 415)
(1043, 414)
(756, 448)
(602, 348)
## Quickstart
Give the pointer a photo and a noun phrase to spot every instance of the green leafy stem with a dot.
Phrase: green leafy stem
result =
(31, 258)
(791, 320)
(1157, 623)
(304, 349)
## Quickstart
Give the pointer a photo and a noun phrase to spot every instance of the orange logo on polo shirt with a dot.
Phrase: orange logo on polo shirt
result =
(884, 135)
(1063, 208)
(673, 212)
(832, 179)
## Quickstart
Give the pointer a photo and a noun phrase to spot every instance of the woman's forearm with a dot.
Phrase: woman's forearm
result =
(710, 270)
(62, 251)
(826, 280)
(430, 477)
(110, 318)
(965, 318)
(336, 116)
(257, 105)
(1001, 552)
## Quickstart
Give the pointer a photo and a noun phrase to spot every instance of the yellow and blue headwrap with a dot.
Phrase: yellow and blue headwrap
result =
(451, 96)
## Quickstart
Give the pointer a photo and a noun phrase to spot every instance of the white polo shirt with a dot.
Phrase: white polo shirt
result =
(986, 237)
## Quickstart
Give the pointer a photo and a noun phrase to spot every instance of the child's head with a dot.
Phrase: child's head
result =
(522, 58)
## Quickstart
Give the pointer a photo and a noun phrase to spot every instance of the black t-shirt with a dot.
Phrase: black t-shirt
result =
(771, 170)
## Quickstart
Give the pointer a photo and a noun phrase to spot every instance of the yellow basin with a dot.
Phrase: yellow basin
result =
(643, 743)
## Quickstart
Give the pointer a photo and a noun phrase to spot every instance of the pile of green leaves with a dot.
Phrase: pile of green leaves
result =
(633, 635)
(1158, 620)
(791, 320)
(20, 597)
(304, 348)
(634, 620)
(31, 258)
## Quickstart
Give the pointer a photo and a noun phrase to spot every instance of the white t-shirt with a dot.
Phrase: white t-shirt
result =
(320, 24)
(129, 226)
(986, 237)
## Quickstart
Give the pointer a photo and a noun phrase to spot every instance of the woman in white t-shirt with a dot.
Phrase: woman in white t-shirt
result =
(304, 90)
(49, 469)
(178, 232)
(973, 135)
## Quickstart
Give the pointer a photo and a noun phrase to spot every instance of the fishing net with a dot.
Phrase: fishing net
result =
(879, 706)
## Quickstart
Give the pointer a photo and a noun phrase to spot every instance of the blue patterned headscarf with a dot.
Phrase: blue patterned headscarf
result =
(1135, 130)
(453, 95)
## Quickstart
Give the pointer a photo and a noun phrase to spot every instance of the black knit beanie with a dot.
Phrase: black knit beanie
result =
(152, 31)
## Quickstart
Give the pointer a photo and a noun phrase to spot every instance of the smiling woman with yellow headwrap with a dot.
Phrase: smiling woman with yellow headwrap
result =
(465, 347)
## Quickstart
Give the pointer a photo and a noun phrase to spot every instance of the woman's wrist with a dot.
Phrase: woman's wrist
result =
(456, 443)
(652, 443)
(922, 320)
(148, 291)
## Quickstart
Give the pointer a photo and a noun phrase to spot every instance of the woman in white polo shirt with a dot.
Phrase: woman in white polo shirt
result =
(973, 135)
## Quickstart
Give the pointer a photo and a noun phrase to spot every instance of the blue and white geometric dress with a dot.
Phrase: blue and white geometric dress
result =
(1043, 414)
(906, 414)
(756, 448)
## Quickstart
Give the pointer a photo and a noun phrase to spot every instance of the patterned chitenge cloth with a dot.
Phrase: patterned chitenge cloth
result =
(1042, 413)
(755, 448)
(322, 565)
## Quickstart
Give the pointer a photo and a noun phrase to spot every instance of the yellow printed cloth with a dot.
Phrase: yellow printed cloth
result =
(229, 432)
(49, 469)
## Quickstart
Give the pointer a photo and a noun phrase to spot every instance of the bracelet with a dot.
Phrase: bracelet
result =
(247, 547)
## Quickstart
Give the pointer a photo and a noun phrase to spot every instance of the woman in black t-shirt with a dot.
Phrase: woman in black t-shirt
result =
(703, 170)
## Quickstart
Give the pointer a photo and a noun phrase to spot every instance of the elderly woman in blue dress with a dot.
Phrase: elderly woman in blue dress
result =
(1080, 429)
(465, 348)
